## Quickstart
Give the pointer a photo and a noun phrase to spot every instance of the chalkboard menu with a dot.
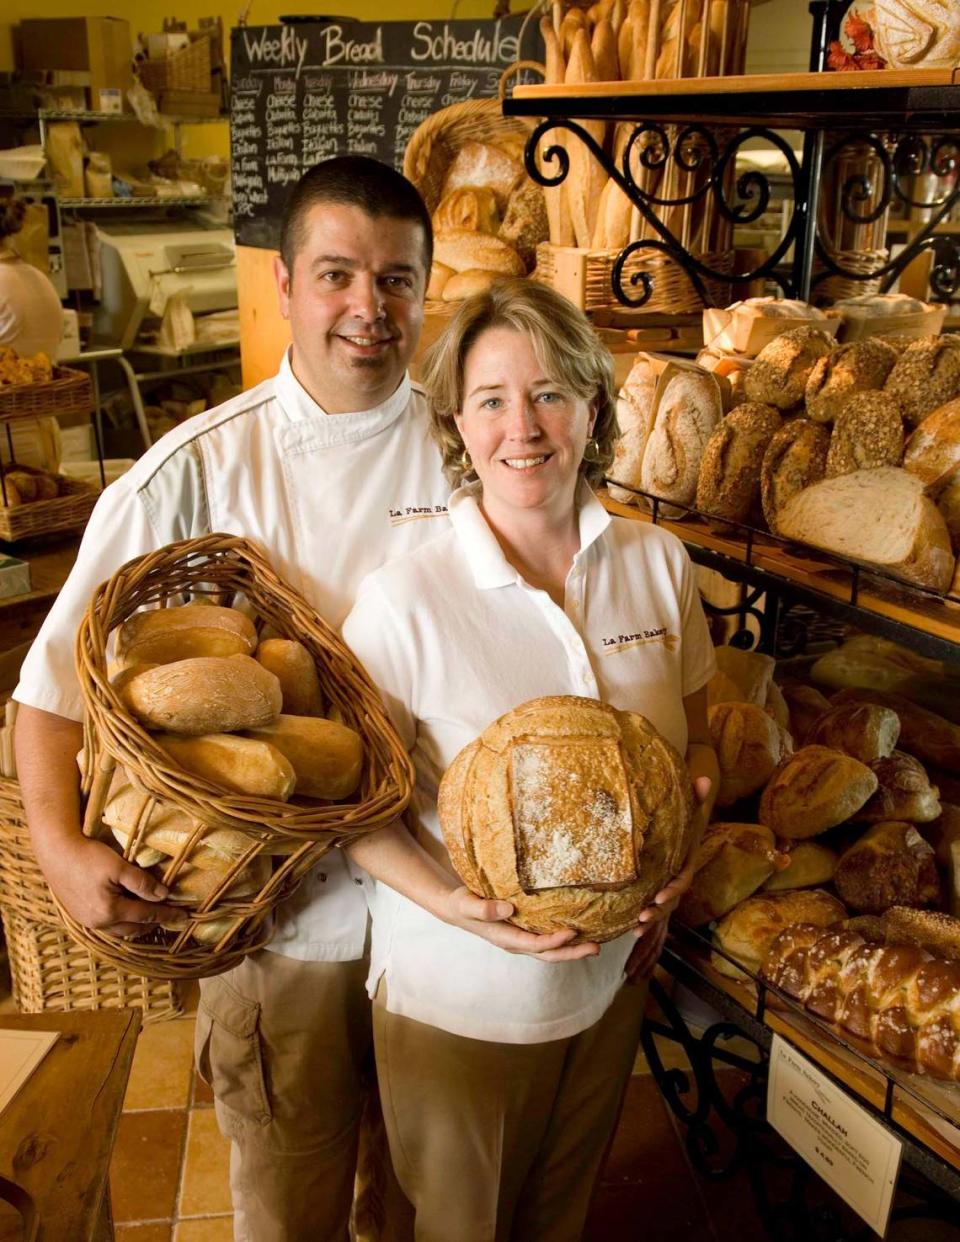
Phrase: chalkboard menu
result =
(312, 89)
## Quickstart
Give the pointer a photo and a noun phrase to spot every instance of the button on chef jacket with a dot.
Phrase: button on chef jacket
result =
(328, 498)
(455, 637)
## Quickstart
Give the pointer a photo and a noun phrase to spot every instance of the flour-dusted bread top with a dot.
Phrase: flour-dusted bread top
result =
(635, 413)
(688, 411)
(881, 517)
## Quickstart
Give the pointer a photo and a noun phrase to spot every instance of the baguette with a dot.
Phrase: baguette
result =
(292, 665)
(327, 757)
(586, 178)
(163, 635)
(240, 764)
(205, 695)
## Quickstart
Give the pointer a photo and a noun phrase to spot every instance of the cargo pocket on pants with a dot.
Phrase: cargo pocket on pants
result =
(228, 1051)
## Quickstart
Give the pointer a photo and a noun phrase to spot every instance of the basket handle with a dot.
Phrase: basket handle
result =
(97, 798)
(512, 70)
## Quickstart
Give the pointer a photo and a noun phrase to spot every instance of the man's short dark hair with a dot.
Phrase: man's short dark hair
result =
(353, 181)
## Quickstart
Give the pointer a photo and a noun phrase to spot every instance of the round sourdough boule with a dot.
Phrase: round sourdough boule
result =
(849, 369)
(747, 742)
(205, 695)
(162, 635)
(814, 789)
(866, 731)
(575, 812)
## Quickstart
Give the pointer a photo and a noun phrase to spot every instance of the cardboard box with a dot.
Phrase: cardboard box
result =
(14, 577)
(100, 46)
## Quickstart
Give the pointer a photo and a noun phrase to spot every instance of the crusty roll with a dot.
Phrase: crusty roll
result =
(292, 665)
(806, 705)
(239, 764)
(904, 791)
(795, 457)
(205, 695)
(728, 485)
(933, 451)
(749, 930)
(845, 371)
(463, 250)
(731, 862)
(575, 812)
(867, 432)
(780, 373)
(741, 676)
(864, 730)
(687, 413)
(472, 207)
(748, 747)
(925, 376)
(635, 422)
(923, 733)
(327, 757)
(465, 284)
(814, 789)
(162, 635)
(889, 865)
(809, 864)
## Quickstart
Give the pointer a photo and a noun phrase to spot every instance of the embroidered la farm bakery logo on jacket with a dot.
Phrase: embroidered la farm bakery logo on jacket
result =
(402, 514)
(642, 638)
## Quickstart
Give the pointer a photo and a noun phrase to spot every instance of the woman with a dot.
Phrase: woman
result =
(501, 1077)
(31, 317)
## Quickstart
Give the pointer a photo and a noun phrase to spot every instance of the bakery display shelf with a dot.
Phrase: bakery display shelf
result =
(925, 621)
(127, 204)
(90, 117)
(922, 1111)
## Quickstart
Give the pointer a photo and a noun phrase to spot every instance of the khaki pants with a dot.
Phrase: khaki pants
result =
(286, 1047)
(502, 1142)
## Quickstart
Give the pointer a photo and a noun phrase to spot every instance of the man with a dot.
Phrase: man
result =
(320, 465)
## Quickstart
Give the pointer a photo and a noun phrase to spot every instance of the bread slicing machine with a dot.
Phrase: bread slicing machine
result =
(142, 270)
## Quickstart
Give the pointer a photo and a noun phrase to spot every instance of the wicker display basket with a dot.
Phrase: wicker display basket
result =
(833, 288)
(69, 392)
(189, 69)
(295, 834)
(68, 511)
(49, 971)
(586, 278)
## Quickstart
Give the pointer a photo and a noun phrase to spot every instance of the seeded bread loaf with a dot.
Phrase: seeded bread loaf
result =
(205, 695)
(880, 517)
(867, 432)
(688, 411)
(795, 458)
(926, 376)
(848, 369)
(780, 373)
(728, 485)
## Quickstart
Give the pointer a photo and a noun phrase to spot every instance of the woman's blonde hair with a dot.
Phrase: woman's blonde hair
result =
(566, 347)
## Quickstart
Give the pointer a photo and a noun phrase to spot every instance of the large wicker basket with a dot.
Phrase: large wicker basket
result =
(224, 568)
(48, 969)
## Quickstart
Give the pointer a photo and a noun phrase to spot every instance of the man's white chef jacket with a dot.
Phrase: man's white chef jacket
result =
(328, 498)
(454, 637)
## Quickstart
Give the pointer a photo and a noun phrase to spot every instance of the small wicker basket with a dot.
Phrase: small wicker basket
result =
(49, 971)
(224, 568)
(188, 69)
(833, 288)
(68, 511)
(69, 392)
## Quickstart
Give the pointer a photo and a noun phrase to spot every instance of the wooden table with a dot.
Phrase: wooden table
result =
(57, 1135)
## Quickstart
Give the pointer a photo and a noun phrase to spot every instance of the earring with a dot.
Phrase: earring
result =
(466, 464)
(591, 453)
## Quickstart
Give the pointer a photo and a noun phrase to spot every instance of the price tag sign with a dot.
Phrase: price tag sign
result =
(855, 1155)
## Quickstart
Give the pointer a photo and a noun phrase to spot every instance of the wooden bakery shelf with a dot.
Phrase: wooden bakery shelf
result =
(927, 622)
(924, 1109)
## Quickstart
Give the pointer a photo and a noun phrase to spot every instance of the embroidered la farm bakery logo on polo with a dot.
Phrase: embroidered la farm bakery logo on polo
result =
(415, 513)
(642, 638)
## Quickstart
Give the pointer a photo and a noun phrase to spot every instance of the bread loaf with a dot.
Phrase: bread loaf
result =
(687, 413)
(904, 792)
(464, 251)
(864, 730)
(948, 504)
(327, 757)
(925, 376)
(889, 865)
(163, 635)
(795, 458)
(815, 789)
(809, 864)
(780, 373)
(472, 207)
(933, 451)
(730, 863)
(747, 744)
(932, 930)
(439, 275)
(728, 485)
(197, 885)
(880, 517)
(292, 665)
(236, 763)
(205, 695)
(480, 164)
(867, 432)
(573, 811)
(806, 705)
(741, 676)
(635, 422)
(847, 370)
(899, 1000)
(749, 930)
(525, 224)
(465, 284)
(923, 733)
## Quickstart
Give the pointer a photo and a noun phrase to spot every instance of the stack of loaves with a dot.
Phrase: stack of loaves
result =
(852, 448)
(241, 713)
(829, 819)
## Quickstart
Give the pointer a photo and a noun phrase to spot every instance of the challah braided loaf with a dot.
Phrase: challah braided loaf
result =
(899, 999)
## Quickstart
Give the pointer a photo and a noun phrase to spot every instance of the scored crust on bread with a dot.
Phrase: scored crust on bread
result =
(891, 864)
(635, 422)
(926, 375)
(867, 432)
(814, 789)
(904, 791)
(866, 731)
(688, 411)
(782, 368)
(748, 748)
(573, 811)
(932, 452)
(795, 458)
(846, 371)
(728, 485)
(749, 930)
